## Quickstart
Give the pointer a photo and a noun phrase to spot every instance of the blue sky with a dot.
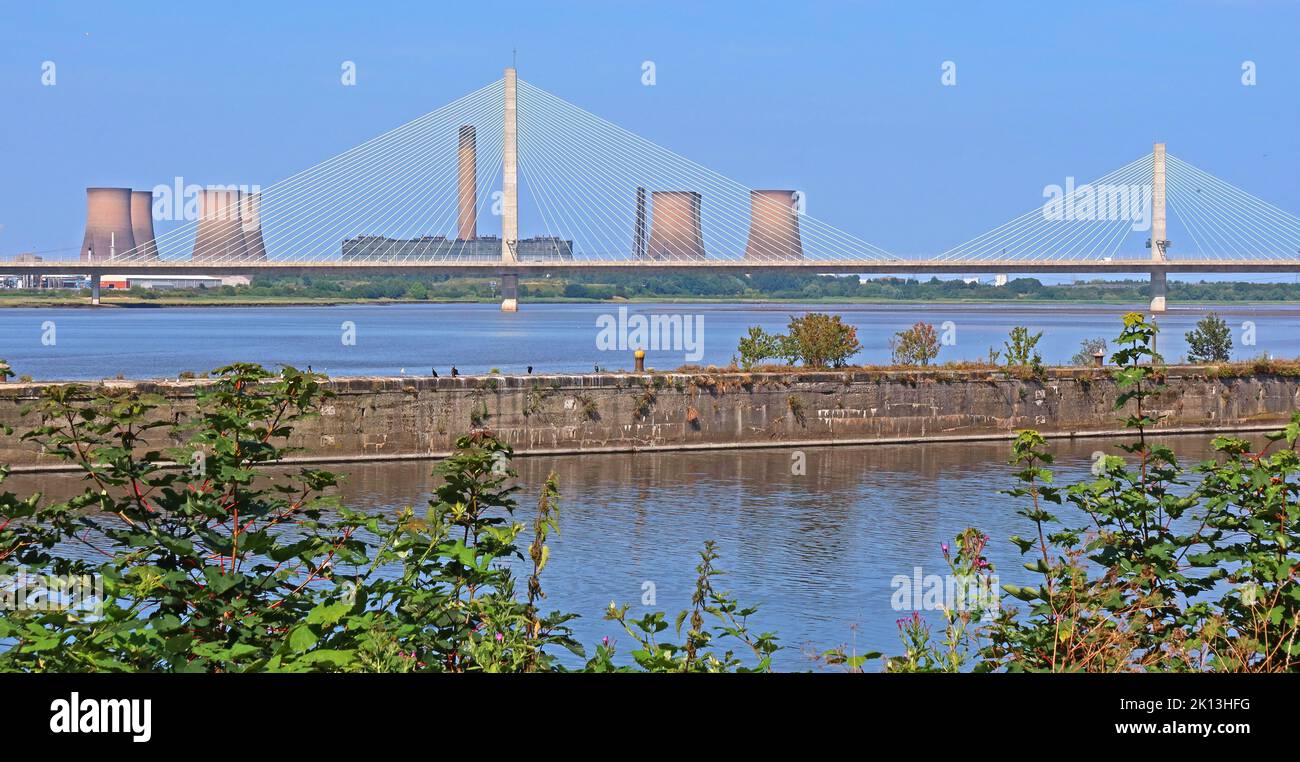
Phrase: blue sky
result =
(842, 100)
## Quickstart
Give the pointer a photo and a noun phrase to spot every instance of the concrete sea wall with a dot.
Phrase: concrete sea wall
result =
(408, 417)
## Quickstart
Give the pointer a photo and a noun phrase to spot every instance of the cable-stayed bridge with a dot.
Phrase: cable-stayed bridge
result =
(594, 196)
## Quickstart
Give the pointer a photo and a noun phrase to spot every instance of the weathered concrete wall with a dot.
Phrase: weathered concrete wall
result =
(422, 417)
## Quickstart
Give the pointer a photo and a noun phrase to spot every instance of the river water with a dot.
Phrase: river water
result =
(79, 343)
(818, 552)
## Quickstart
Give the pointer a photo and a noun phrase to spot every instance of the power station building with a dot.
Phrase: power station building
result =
(675, 230)
(773, 226)
(374, 248)
(111, 223)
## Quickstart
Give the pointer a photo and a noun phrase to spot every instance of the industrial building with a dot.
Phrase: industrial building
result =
(374, 248)
(149, 282)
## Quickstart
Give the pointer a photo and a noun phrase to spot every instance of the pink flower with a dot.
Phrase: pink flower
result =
(500, 637)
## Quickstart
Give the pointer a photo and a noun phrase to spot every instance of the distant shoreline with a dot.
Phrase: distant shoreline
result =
(110, 303)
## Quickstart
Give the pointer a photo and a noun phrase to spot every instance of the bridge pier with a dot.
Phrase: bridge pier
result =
(509, 292)
(1158, 290)
(94, 289)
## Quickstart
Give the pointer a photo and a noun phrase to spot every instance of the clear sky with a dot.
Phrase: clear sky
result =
(842, 100)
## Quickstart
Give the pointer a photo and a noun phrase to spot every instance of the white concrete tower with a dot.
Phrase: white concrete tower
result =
(510, 197)
(1159, 228)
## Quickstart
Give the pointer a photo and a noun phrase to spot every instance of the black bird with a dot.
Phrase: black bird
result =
(530, 370)
(454, 372)
(596, 368)
(435, 372)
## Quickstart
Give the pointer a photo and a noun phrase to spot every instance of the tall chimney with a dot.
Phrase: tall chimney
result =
(108, 223)
(218, 234)
(468, 228)
(773, 226)
(675, 231)
(250, 225)
(142, 225)
(638, 237)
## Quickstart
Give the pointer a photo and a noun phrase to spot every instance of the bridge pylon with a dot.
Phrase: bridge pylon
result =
(510, 195)
(1159, 229)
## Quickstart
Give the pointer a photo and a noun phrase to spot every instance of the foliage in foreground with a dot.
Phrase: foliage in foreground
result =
(226, 564)
(1151, 570)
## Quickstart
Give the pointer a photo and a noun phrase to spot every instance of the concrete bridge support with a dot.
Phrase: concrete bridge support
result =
(1159, 230)
(509, 292)
(1158, 288)
(94, 289)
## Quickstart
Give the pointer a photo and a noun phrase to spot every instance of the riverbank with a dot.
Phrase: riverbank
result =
(421, 417)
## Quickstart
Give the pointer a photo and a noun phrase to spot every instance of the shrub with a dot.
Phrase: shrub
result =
(1152, 571)
(820, 340)
(758, 346)
(817, 340)
(1019, 351)
(917, 345)
(227, 564)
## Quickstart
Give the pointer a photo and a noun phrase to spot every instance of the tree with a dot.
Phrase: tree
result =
(1087, 349)
(917, 345)
(759, 345)
(820, 340)
(1210, 341)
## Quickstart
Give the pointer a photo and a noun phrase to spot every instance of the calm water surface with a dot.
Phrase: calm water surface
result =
(412, 338)
(816, 552)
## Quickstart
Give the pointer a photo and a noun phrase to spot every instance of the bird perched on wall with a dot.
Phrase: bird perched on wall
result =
(435, 372)
(454, 372)
(530, 370)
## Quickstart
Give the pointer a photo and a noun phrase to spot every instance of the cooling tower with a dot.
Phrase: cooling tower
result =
(467, 230)
(108, 223)
(638, 236)
(250, 225)
(218, 235)
(142, 225)
(773, 226)
(675, 232)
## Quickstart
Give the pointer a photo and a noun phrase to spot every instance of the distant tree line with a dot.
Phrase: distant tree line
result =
(783, 286)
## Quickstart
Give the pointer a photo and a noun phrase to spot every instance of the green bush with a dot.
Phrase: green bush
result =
(1153, 570)
(917, 345)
